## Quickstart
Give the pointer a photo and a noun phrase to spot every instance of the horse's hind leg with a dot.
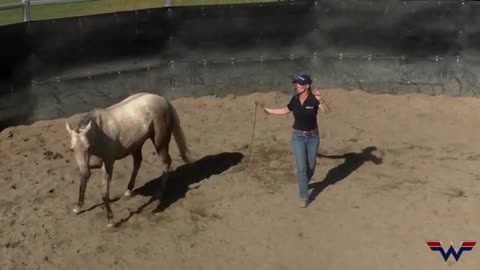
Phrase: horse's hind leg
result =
(161, 142)
(167, 163)
(137, 161)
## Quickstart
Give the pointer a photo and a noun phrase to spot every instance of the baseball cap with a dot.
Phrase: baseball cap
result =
(303, 79)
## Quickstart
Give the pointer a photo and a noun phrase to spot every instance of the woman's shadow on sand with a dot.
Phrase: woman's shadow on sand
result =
(180, 180)
(352, 162)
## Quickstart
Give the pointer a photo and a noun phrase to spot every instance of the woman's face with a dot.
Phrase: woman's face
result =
(301, 88)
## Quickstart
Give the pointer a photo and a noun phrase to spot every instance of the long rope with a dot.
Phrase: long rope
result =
(247, 162)
(253, 135)
(250, 147)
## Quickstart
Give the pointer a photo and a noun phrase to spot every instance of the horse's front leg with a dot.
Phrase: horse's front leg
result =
(94, 163)
(81, 192)
(107, 169)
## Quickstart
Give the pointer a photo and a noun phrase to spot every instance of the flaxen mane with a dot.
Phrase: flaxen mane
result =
(84, 121)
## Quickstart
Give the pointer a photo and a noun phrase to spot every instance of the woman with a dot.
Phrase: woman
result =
(305, 136)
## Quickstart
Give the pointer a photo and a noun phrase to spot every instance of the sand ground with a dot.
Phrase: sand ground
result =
(393, 173)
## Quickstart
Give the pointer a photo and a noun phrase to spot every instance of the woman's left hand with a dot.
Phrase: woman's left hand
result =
(323, 106)
(318, 95)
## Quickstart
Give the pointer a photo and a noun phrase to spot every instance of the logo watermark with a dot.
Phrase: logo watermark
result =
(464, 246)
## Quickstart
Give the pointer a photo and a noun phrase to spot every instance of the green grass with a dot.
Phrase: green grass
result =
(98, 7)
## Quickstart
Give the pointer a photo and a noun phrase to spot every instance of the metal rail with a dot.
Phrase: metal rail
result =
(26, 5)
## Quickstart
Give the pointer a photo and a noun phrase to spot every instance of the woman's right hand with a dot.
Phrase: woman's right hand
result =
(258, 103)
(262, 105)
(279, 111)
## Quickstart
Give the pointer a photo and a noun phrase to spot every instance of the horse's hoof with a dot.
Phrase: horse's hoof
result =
(76, 210)
(128, 193)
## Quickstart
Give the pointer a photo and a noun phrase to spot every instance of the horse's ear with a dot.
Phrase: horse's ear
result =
(68, 127)
(87, 128)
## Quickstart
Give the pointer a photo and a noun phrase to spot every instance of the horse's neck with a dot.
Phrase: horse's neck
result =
(101, 129)
(101, 118)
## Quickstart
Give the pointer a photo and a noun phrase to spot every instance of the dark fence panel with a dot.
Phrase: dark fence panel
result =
(56, 68)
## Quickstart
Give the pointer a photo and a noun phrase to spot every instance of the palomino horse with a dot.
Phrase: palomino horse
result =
(106, 135)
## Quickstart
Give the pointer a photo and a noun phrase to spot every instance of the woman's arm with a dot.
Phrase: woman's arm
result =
(323, 105)
(280, 111)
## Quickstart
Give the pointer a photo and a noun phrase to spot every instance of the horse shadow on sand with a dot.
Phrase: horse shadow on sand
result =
(180, 180)
(353, 161)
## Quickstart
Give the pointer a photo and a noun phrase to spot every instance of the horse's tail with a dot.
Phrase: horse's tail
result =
(179, 136)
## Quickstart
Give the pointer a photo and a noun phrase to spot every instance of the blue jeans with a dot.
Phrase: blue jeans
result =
(305, 150)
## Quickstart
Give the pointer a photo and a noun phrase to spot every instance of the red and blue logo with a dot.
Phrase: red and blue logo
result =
(437, 246)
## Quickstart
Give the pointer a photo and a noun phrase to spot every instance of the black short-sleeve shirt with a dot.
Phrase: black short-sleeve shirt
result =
(305, 115)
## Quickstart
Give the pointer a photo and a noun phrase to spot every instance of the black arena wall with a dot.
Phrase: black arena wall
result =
(56, 68)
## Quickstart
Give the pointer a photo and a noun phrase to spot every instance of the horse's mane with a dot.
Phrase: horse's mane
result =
(85, 120)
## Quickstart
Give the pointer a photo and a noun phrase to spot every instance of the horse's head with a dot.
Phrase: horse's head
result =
(80, 145)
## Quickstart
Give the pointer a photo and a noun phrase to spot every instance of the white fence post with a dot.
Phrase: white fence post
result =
(26, 10)
(168, 3)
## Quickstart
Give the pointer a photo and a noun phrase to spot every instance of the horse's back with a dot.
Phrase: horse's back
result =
(139, 109)
(140, 101)
(139, 98)
(131, 120)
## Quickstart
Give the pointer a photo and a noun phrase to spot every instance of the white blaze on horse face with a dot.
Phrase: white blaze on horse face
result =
(79, 142)
(80, 145)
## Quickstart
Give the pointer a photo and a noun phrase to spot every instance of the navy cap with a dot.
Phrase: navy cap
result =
(303, 79)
